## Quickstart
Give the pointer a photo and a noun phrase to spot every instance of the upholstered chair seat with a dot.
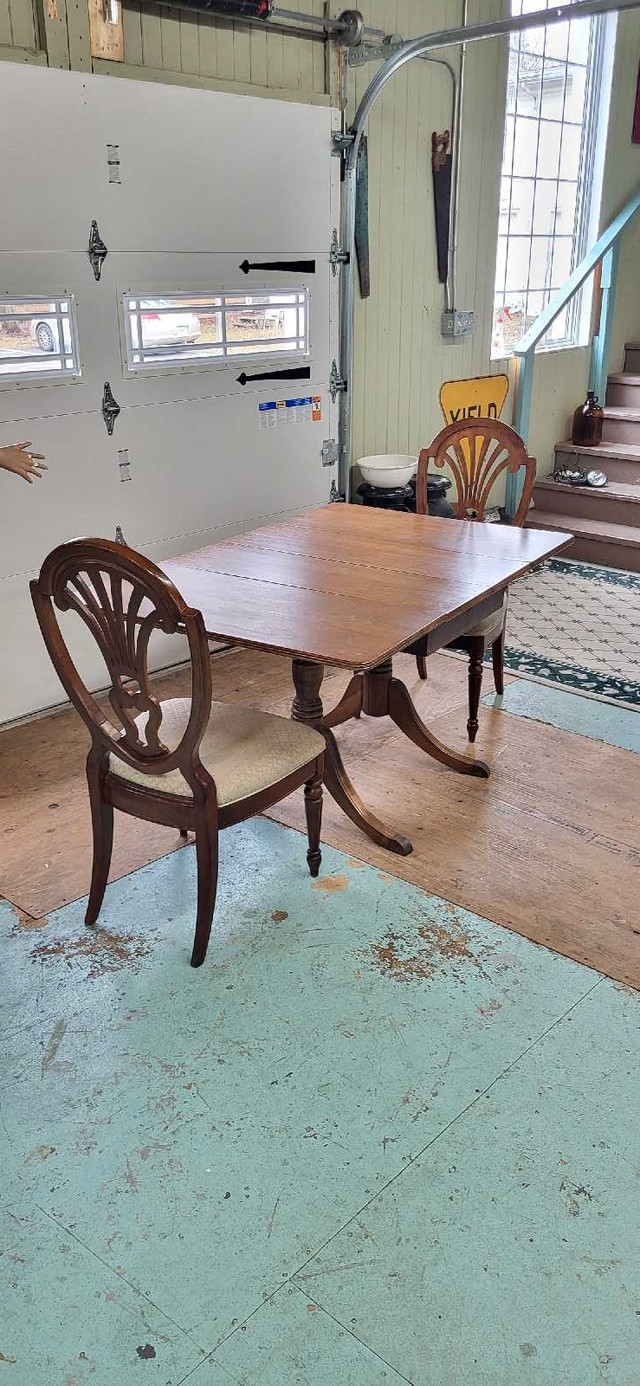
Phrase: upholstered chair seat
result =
(245, 750)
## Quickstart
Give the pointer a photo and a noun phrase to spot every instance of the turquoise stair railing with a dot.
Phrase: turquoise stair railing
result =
(605, 250)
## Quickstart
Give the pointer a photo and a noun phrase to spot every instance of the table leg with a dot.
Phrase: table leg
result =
(307, 707)
(405, 715)
(350, 704)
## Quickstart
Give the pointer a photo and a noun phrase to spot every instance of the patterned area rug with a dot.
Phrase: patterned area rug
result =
(577, 624)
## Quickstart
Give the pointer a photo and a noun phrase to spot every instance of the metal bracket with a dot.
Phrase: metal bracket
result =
(334, 495)
(110, 408)
(337, 256)
(97, 250)
(336, 383)
(341, 140)
(373, 52)
(329, 452)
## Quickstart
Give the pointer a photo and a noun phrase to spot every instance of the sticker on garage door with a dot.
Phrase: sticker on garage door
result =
(282, 413)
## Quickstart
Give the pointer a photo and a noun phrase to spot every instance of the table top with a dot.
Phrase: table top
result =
(347, 585)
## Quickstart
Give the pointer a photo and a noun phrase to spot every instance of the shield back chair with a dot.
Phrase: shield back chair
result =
(189, 763)
(477, 452)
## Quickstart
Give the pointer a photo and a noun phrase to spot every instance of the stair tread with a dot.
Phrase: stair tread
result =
(627, 450)
(577, 525)
(632, 346)
(624, 378)
(618, 411)
(616, 490)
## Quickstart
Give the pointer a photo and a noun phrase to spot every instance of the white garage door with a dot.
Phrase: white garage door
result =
(188, 189)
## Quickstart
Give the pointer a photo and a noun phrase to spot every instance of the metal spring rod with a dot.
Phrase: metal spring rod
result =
(417, 48)
(332, 26)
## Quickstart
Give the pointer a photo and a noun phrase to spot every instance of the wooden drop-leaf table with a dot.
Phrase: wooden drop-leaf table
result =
(349, 587)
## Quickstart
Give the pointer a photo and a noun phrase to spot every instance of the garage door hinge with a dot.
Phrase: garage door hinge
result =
(336, 383)
(329, 452)
(97, 251)
(110, 408)
(337, 256)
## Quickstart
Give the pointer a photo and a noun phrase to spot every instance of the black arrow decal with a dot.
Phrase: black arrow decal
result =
(296, 266)
(300, 373)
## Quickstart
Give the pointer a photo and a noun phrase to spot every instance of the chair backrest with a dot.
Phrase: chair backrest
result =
(477, 451)
(122, 598)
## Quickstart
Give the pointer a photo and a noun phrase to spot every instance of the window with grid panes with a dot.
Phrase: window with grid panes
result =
(182, 331)
(545, 198)
(38, 340)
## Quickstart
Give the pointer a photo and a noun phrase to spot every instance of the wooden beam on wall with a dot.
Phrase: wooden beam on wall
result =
(106, 31)
(51, 16)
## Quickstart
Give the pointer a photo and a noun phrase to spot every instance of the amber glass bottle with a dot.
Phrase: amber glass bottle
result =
(587, 423)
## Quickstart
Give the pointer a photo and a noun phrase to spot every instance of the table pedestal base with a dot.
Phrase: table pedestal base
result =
(378, 694)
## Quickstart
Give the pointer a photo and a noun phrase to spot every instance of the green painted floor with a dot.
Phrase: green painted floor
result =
(588, 716)
(374, 1139)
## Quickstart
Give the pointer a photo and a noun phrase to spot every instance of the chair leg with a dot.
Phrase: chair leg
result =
(422, 666)
(102, 824)
(497, 652)
(207, 863)
(476, 654)
(313, 812)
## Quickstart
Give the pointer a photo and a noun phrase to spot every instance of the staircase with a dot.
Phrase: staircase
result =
(606, 523)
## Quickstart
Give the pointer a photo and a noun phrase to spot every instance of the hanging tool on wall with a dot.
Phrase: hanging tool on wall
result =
(441, 172)
(362, 219)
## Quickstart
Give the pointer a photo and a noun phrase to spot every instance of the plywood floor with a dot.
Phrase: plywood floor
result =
(549, 847)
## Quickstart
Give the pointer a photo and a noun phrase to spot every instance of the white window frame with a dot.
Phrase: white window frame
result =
(23, 379)
(169, 360)
(589, 183)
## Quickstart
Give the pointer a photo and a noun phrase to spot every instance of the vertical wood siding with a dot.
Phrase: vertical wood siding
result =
(17, 24)
(401, 358)
(181, 42)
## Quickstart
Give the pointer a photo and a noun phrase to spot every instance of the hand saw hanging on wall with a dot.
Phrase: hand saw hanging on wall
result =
(441, 172)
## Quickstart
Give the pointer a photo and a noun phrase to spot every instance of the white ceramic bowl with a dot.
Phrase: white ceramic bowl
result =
(388, 470)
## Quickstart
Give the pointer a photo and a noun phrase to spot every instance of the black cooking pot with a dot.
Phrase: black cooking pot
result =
(404, 497)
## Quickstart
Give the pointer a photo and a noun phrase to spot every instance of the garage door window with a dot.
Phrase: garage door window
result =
(186, 331)
(38, 340)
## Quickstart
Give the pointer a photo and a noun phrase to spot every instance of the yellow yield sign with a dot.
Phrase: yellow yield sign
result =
(481, 397)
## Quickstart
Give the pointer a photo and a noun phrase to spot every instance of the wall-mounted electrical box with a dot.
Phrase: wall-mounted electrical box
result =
(457, 323)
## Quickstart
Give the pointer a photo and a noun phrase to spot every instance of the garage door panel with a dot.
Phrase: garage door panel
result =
(37, 276)
(214, 151)
(53, 131)
(78, 495)
(189, 477)
(29, 680)
(234, 195)
(100, 328)
(215, 274)
(207, 179)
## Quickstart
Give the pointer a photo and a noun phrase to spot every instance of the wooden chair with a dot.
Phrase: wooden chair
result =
(225, 763)
(477, 452)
